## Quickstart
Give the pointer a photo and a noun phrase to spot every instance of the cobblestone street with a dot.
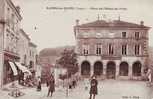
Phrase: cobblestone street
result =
(108, 89)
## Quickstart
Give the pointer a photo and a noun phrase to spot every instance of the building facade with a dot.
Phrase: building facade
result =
(11, 18)
(32, 56)
(112, 49)
(24, 48)
(15, 45)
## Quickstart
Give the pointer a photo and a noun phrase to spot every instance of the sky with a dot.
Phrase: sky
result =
(49, 25)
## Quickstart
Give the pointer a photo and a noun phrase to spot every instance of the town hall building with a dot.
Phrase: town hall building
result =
(112, 49)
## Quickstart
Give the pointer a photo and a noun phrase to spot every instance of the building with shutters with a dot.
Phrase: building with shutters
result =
(112, 49)
(17, 52)
(10, 19)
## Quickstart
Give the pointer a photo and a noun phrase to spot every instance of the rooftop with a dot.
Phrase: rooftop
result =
(32, 44)
(114, 23)
(24, 33)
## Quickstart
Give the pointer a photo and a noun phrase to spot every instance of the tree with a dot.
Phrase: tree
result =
(68, 60)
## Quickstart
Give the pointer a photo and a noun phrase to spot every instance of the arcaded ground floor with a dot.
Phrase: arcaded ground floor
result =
(113, 69)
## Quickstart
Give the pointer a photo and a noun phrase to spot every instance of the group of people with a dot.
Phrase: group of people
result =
(50, 84)
(26, 80)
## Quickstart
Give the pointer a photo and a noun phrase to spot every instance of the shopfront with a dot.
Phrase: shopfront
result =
(10, 72)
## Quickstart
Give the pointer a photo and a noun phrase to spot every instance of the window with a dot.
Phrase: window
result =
(123, 34)
(124, 49)
(137, 49)
(137, 35)
(111, 49)
(13, 21)
(8, 16)
(85, 48)
(98, 49)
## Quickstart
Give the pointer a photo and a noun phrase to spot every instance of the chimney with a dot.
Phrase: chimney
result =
(77, 22)
(18, 8)
(141, 23)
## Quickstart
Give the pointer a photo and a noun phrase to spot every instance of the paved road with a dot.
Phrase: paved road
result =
(108, 89)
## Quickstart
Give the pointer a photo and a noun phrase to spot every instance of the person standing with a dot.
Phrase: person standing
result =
(39, 84)
(93, 87)
(51, 87)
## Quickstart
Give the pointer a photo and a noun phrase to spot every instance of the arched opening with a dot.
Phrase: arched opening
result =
(85, 68)
(124, 69)
(111, 70)
(98, 68)
(136, 69)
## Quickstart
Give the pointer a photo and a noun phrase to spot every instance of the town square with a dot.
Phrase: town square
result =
(76, 49)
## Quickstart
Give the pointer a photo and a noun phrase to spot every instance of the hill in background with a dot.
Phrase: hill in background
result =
(50, 55)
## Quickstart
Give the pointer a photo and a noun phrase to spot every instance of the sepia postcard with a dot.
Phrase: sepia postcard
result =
(76, 49)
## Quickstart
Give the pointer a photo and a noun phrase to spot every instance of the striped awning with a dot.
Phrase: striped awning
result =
(14, 69)
(23, 68)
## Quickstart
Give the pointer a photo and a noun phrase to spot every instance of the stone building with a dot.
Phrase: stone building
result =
(112, 49)
(32, 56)
(24, 48)
(10, 18)
(16, 49)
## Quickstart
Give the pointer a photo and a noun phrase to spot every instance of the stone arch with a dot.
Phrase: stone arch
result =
(85, 68)
(123, 69)
(111, 70)
(98, 68)
(136, 68)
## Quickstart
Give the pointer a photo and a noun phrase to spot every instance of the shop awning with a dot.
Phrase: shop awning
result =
(23, 68)
(13, 68)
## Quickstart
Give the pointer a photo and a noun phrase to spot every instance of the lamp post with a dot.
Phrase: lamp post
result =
(2, 23)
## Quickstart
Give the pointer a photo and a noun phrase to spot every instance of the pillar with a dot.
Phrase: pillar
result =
(91, 69)
(104, 68)
(117, 63)
(142, 70)
(130, 70)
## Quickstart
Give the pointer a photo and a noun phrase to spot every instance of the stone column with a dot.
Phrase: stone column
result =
(117, 69)
(142, 70)
(91, 69)
(79, 69)
(104, 68)
(130, 71)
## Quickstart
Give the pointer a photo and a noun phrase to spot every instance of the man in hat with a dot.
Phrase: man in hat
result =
(93, 87)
